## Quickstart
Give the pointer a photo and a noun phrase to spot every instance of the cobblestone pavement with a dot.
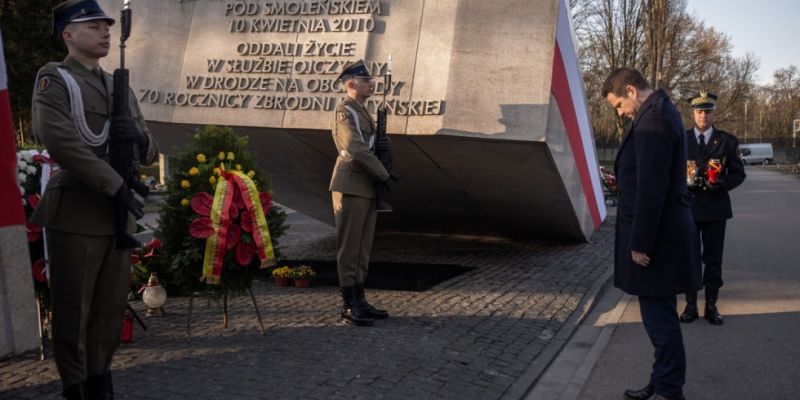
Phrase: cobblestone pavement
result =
(471, 337)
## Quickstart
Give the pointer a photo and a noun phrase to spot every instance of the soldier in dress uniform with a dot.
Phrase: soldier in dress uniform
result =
(712, 204)
(89, 276)
(355, 174)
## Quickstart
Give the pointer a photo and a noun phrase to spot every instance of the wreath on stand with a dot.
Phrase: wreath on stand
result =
(218, 225)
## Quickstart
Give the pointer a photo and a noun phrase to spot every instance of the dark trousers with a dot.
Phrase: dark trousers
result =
(712, 234)
(661, 322)
(89, 288)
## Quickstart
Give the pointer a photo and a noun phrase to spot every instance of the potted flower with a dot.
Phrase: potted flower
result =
(302, 275)
(282, 275)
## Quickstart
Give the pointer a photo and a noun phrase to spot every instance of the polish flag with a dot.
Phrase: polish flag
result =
(10, 199)
(567, 89)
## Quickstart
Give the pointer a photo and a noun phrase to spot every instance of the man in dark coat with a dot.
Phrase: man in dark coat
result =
(719, 170)
(656, 253)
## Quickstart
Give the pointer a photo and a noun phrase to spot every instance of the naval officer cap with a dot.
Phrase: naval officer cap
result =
(77, 11)
(704, 101)
(354, 70)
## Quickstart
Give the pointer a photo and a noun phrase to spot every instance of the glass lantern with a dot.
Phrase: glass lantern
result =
(154, 296)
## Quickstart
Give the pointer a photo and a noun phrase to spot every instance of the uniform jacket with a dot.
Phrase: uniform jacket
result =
(653, 215)
(716, 205)
(79, 197)
(357, 169)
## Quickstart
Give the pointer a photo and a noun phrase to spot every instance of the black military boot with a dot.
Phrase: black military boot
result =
(690, 313)
(99, 387)
(375, 313)
(75, 392)
(712, 314)
(353, 310)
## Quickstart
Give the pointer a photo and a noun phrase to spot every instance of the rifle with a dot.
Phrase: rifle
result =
(123, 152)
(384, 155)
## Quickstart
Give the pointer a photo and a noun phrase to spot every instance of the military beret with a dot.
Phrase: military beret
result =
(77, 11)
(354, 70)
(704, 101)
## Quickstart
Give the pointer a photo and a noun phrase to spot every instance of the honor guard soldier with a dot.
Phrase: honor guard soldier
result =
(719, 170)
(355, 173)
(89, 275)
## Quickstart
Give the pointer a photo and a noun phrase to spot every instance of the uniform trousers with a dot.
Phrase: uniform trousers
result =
(712, 234)
(661, 323)
(355, 218)
(89, 285)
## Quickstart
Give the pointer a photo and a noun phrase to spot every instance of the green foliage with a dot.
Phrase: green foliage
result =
(180, 261)
(29, 44)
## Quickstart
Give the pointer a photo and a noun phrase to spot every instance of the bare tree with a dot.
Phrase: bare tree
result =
(675, 50)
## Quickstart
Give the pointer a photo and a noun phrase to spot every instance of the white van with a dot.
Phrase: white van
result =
(756, 153)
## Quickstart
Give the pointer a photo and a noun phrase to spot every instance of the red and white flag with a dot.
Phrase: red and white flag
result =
(567, 89)
(11, 212)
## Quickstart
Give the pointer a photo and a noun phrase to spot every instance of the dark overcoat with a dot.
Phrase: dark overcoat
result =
(716, 205)
(653, 215)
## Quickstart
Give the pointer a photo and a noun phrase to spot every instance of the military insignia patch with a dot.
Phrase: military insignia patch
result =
(340, 116)
(44, 83)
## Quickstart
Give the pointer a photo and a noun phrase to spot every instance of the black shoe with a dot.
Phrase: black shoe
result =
(383, 207)
(712, 314)
(639, 394)
(689, 314)
(99, 387)
(375, 313)
(353, 310)
(75, 392)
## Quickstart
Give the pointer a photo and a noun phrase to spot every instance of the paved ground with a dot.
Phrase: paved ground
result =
(486, 334)
(755, 355)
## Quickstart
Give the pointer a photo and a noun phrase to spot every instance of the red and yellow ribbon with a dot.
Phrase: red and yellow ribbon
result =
(216, 244)
(252, 203)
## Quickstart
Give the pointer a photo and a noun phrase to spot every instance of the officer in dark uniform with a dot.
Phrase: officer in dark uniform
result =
(88, 275)
(352, 187)
(711, 148)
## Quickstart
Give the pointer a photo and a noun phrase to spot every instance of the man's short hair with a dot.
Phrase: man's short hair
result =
(617, 81)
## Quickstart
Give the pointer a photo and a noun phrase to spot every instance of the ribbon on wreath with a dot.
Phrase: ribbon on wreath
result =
(217, 244)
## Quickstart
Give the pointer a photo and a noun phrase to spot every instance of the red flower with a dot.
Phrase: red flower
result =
(245, 253)
(266, 201)
(134, 258)
(151, 247)
(33, 200)
(38, 271)
(34, 232)
(247, 221)
(201, 228)
(201, 203)
(233, 237)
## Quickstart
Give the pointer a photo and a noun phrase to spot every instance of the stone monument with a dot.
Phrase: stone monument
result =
(487, 112)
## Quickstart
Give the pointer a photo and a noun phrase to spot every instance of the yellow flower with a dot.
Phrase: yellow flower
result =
(251, 173)
(221, 155)
(142, 177)
(230, 156)
(185, 184)
(238, 167)
(201, 158)
(217, 171)
(194, 171)
(184, 202)
(213, 180)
